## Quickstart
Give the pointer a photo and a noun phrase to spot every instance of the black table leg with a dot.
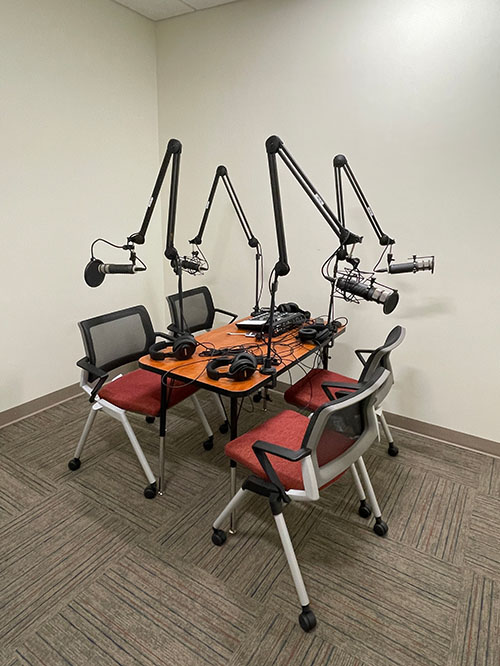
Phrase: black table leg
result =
(163, 428)
(325, 356)
(234, 435)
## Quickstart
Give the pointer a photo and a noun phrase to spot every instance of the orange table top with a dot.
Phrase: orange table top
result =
(289, 349)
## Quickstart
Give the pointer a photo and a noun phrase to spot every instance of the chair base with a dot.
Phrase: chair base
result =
(224, 427)
(392, 450)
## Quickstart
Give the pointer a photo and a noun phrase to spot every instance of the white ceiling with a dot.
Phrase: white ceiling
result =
(163, 9)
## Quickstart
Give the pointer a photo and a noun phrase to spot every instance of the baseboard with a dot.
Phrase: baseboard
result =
(39, 404)
(462, 439)
(448, 435)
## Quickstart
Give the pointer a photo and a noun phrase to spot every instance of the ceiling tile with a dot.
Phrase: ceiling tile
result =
(205, 4)
(157, 9)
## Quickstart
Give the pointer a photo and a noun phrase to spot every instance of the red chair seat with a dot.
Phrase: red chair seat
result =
(287, 429)
(307, 392)
(140, 391)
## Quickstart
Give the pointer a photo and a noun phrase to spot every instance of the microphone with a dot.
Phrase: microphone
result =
(418, 264)
(369, 291)
(96, 271)
(193, 264)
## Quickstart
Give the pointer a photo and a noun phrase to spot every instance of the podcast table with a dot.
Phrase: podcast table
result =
(289, 351)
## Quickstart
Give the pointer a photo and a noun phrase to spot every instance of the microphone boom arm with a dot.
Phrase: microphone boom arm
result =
(222, 174)
(340, 163)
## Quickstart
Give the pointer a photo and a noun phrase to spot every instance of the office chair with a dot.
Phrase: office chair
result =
(199, 315)
(111, 341)
(292, 457)
(312, 390)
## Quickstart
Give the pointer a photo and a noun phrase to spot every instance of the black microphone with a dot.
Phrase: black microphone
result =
(370, 291)
(96, 271)
(418, 264)
(193, 265)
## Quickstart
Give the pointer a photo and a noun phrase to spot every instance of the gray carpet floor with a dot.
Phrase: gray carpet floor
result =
(91, 572)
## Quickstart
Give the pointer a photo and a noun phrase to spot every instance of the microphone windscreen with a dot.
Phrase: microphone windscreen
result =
(92, 275)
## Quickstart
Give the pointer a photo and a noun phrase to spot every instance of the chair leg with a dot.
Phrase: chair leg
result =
(393, 449)
(74, 463)
(364, 510)
(208, 443)
(380, 528)
(224, 427)
(232, 490)
(149, 491)
(307, 620)
(219, 536)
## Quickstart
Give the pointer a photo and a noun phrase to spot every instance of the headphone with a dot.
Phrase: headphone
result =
(292, 307)
(241, 367)
(183, 347)
(316, 333)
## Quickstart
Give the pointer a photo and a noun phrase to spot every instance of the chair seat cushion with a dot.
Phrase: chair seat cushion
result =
(140, 391)
(307, 392)
(287, 429)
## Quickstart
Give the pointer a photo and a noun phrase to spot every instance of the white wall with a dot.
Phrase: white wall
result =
(409, 91)
(79, 147)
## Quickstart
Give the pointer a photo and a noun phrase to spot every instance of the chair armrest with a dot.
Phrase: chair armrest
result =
(165, 336)
(341, 385)
(260, 449)
(229, 314)
(280, 451)
(359, 353)
(93, 370)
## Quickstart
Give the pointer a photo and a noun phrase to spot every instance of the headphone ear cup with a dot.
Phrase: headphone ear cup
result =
(155, 351)
(184, 347)
(243, 366)
(308, 334)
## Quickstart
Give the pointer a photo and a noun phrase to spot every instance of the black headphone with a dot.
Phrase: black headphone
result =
(183, 347)
(316, 333)
(292, 307)
(241, 367)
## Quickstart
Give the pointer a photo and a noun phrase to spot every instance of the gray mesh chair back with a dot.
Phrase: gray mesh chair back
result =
(347, 426)
(198, 309)
(380, 358)
(114, 339)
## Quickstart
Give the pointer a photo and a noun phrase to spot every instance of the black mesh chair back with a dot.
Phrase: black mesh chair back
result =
(198, 309)
(346, 425)
(117, 338)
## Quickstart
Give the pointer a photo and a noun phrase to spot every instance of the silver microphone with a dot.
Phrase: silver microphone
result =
(370, 291)
(418, 264)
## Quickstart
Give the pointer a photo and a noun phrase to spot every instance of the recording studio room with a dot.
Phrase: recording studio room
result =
(250, 332)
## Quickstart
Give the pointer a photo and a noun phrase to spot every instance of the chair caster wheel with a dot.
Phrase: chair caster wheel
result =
(74, 463)
(209, 444)
(364, 510)
(150, 491)
(380, 528)
(219, 537)
(224, 428)
(257, 397)
(307, 620)
(150, 419)
(392, 450)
